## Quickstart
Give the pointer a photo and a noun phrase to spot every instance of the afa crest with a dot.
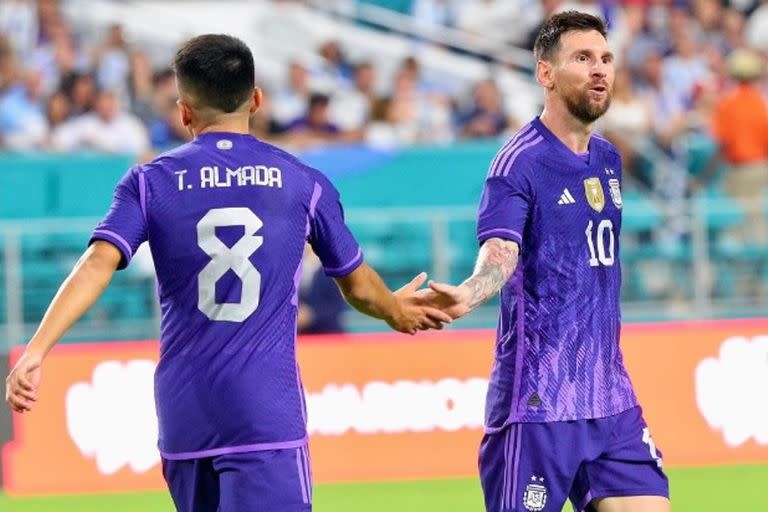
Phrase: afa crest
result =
(594, 192)
(615, 190)
(535, 497)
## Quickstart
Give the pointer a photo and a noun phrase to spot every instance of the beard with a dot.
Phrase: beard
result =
(586, 110)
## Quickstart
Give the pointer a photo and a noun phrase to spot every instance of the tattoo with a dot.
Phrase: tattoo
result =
(496, 262)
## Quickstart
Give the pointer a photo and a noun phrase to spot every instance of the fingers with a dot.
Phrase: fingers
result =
(20, 393)
(445, 289)
(416, 282)
(24, 383)
(428, 323)
(18, 403)
(26, 394)
(438, 315)
(425, 318)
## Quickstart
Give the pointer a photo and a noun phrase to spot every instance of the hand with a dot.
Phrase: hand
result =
(453, 300)
(415, 314)
(22, 383)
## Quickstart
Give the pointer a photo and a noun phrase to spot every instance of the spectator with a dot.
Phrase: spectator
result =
(437, 90)
(486, 118)
(163, 90)
(740, 127)
(166, 130)
(668, 108)
(81, 92)
(57, 109)
(320, 304)
(413, 116)
(757, 28)
(112, 61)
(8, 65)
(290, 102)
(141, 86)
(352, 108)
(18, 20)
(22, 121)
(628, 122)
(57, 57)
(106, 129)
(335, 70)
(686, 68)
(315, 127)
(669, 180)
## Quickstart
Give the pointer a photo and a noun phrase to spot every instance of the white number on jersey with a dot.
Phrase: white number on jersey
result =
(602, 256)
(224, 258)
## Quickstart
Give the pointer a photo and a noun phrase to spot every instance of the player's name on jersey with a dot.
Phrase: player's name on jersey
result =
(213, 176)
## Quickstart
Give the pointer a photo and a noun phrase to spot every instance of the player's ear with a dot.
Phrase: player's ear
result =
(256, 100)
(544, 73)
(184, 111)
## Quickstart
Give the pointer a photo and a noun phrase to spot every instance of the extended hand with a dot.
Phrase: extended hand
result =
(415, 314)
(453, 300)
(22, 383)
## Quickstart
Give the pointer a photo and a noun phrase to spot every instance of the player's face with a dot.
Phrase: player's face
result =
(584, 74)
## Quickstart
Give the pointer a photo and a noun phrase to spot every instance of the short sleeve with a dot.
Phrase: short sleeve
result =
(329, 235)
(125, 225)
(504, 207)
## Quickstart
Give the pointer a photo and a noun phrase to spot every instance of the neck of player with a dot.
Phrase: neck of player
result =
(572, 132)
(236, 122)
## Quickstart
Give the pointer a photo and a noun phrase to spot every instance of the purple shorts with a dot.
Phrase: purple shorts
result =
(273, 480)
(535, 467)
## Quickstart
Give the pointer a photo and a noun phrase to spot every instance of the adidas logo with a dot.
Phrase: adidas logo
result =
(566, 198)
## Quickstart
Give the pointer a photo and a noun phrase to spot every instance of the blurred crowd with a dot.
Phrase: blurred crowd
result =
(680, 63)
(61, 94)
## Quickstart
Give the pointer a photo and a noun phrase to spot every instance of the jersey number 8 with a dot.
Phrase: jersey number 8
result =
(224, 259)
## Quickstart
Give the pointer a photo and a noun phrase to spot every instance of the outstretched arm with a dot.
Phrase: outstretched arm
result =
(495, 264)
(364, 289)
(80, 290)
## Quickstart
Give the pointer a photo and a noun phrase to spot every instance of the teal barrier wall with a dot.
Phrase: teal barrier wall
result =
(445, 182)
(80, 185)
(47, 185)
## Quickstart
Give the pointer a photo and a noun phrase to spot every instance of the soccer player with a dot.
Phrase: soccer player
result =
(227, 217)
(562, 420)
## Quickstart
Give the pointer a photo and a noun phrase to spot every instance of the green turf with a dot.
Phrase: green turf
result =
(737, 488)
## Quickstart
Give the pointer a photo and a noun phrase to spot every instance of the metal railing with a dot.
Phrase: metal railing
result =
(703, 270)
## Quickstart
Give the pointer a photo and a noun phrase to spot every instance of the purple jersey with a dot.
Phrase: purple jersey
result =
(227, 217)
(557, 350)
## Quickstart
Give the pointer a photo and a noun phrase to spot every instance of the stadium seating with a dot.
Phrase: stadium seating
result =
(413, 210)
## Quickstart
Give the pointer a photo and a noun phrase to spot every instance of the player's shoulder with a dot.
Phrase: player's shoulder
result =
(604, 146)
(518, 153)
(294, 162)
(170, 158)
(310, 173)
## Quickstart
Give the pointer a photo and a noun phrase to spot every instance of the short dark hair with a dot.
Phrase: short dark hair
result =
(217, 70)
(548, 41)
(318, 99)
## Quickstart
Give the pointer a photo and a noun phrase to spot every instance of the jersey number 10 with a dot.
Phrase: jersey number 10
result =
(603, 256)
(224, 259)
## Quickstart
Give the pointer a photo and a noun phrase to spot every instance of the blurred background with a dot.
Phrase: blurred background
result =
(402, 103)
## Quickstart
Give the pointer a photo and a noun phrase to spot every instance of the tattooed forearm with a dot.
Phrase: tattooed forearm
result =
(496, 262)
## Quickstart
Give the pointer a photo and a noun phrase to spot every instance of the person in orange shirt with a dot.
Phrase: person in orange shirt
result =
(740, 126)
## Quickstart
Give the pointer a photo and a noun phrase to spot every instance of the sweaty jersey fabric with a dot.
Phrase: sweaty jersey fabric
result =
(227, 217)
(557, 354)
